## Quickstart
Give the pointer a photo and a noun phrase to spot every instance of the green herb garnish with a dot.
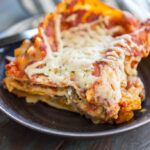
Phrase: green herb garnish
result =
(86, 70)
(120, 57)
(72, 71)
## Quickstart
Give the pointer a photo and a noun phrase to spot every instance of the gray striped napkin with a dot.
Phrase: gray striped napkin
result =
(46, 6)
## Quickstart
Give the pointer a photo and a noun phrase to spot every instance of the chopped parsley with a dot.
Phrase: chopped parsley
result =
(83, 75)
(85, 84)
(72, 71)
(86, 70)
(128, 103)
(49, 69)
(120, 57)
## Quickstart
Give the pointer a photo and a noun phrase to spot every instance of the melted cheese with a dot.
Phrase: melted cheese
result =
(71, 18)
(78, 48)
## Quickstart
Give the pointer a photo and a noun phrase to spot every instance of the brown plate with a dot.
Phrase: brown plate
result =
(47, 119)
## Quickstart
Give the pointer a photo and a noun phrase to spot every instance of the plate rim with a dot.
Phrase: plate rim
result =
(73, 134)
(65, 133)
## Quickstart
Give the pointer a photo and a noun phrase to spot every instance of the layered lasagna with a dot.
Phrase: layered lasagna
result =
(84, 59)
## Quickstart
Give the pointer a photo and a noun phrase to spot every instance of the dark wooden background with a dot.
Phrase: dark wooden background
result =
(16, 137)
(13, 136)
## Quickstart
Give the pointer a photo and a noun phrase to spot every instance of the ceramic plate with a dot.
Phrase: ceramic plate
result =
(49, 120)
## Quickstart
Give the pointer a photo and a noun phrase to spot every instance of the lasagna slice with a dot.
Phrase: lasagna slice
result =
(84, 59)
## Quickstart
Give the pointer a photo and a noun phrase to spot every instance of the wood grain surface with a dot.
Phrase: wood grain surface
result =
(16, 137)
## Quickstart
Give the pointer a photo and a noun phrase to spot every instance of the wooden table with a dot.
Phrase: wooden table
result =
(16, 137)
(13, 136)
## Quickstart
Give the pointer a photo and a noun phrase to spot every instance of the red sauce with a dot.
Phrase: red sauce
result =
(131, 23)
(66, 25)
(13, 69)
(29, 63)
(97, 69)
(134, 64)
(92, 17)
(129, 84)
(49, 29)
(72, 4)
(92, 107)
(83, 93)
(42, 46)
(123, 104)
